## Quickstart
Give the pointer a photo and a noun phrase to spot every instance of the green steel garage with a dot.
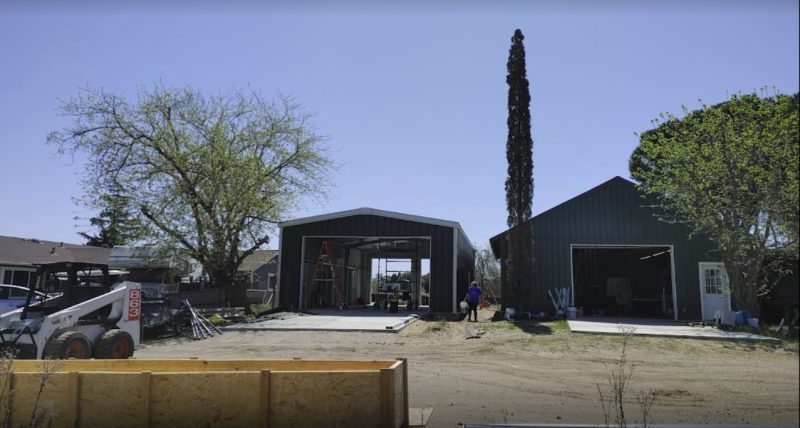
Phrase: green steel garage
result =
(617, 258)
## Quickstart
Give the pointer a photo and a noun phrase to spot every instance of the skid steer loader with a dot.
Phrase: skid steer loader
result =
(86, 318)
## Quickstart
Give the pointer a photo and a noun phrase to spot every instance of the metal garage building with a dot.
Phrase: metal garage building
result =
(349, 240)
(619, 259)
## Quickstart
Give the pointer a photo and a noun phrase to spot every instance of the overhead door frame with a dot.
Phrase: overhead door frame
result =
(623, 246)
(303, 252)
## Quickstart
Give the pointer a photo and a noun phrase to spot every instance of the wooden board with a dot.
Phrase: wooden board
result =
(219, 393)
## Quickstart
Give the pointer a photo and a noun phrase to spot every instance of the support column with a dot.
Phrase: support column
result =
(416, 267)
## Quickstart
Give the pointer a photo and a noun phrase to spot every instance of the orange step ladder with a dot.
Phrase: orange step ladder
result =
(326, 260)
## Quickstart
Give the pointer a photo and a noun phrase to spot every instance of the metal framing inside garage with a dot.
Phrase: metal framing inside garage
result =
(355, 275)
(356, 236)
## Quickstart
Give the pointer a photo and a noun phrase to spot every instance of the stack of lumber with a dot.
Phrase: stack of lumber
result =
(201, 326)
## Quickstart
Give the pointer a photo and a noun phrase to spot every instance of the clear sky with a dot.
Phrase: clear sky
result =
(413, 97)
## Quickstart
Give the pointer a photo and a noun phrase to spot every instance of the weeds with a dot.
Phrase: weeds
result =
(499, 325)
(39, 413)
(645, 398)
(440, 325)
(485, 350)
(257, 308)
(614, 399)
(6, 392)
(560, 326)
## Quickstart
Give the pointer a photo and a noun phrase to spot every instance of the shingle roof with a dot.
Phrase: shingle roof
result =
(257, 259)
(28, 252)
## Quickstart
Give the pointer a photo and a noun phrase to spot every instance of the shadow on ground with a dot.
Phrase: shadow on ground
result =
(533, 327)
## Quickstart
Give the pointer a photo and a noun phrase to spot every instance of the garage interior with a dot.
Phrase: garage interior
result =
(383, 272)
(623, 281)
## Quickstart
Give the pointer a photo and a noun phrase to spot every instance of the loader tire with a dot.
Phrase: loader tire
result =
(67, 345)
(114, 345)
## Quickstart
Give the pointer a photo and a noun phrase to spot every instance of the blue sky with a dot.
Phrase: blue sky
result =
(412, 97)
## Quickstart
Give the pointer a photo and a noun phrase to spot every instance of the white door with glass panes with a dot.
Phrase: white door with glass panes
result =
(715, 296)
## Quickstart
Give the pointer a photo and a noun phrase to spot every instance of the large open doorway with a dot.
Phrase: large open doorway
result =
(385, 273)
(404, 281)
(624, 280)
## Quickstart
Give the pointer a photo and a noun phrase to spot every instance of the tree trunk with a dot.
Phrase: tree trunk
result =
(744, 288)
(235, 295)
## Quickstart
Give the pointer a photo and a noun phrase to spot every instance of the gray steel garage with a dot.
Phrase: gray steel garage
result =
(617, 258)
(327, 260)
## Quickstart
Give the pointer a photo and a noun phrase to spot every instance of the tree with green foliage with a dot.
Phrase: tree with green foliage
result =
(730, 171)
(519, 184)
(115, 224)
(209, 176)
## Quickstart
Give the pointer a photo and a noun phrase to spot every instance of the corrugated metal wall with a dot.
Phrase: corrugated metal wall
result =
(466, 266)
(612, 213)
(441, 261)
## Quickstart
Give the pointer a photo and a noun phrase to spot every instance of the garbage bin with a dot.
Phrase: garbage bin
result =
(572, 313)
(741, 318)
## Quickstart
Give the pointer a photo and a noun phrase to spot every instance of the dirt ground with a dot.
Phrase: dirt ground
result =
(541, 373)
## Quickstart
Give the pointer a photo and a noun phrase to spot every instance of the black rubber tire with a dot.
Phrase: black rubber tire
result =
(69, 344)
(114, 345)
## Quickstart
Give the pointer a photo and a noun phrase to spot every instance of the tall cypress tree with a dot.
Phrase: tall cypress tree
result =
(519, 184)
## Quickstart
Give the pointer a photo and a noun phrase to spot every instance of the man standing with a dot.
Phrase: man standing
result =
(473, 298)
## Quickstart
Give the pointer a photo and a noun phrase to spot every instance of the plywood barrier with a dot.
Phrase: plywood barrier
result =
(215, 393)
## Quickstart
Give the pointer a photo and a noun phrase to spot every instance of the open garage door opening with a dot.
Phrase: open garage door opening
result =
(400, 282)
(623, 281)
(385, 273)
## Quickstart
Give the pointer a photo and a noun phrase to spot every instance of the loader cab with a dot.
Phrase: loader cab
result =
(61, 285)
(13, 297)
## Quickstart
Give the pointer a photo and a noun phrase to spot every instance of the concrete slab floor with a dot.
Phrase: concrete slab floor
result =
(656, 327)
(367, 320)
(418, 417)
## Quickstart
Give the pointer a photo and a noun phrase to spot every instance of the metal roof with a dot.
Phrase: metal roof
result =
(375, 212)
(369, 211)
(494, 242)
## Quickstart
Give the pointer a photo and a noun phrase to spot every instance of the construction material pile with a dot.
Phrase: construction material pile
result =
(201, 326)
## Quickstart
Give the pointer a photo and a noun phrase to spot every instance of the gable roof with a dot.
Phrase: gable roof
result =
(380, 213)
(494, 241)
(32, 252)
(615, 181)
(369, 211)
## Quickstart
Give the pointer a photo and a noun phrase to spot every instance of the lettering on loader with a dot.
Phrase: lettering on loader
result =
(134, 304)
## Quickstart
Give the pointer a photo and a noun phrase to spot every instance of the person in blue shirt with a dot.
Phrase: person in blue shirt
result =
(473, 298)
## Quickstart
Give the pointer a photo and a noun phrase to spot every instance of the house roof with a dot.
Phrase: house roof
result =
(142, 256)
(257, 259)
(31, 252)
